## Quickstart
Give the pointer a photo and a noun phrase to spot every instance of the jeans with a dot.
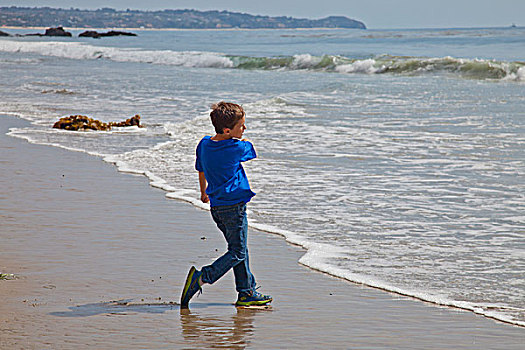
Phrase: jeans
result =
(232, 221)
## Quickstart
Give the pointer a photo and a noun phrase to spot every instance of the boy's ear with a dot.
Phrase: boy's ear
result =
(226, 131)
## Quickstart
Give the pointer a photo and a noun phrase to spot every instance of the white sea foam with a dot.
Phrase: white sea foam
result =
(305, 61)
(318, 259)
(519, 75)
(81, 51)
(367, 66)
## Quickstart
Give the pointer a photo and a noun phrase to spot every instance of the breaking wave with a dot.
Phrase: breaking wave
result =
(468, 68)
(481, 69)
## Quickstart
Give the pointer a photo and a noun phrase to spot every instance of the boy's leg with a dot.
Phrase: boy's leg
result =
(242, 271)
(231, 220)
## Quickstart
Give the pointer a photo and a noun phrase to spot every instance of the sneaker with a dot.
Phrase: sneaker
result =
(253, 298)
(190, 287)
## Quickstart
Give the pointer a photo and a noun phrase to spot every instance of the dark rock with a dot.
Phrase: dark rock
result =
(96, 35)
(82, 122)
(89, 34)
(117, 33)
(58, 31)
(4, 33)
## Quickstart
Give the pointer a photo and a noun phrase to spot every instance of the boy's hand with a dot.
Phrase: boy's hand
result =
(204, 198)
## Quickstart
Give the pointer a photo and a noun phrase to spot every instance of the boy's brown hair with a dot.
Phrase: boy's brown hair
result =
(225, 115)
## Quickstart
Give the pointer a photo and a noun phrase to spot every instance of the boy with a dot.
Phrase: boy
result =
(224, 184)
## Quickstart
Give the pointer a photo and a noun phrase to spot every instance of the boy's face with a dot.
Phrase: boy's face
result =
(238, 129)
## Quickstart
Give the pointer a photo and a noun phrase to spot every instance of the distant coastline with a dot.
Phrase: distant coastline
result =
(43, 17)
(163, 29)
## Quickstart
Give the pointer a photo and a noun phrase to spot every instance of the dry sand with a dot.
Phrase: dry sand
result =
(80, 235)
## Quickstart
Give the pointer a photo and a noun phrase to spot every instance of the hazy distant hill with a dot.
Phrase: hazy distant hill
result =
(110, 18)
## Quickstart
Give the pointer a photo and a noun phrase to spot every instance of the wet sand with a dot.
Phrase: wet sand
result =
(81, 236)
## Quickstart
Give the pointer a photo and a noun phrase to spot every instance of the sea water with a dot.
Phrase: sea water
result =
(396, 158)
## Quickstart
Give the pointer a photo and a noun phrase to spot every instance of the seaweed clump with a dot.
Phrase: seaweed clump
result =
(82, 122)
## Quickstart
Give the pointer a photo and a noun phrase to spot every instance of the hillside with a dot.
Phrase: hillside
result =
(190, 19)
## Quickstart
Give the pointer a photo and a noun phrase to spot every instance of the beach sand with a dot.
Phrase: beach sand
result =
(80, 235)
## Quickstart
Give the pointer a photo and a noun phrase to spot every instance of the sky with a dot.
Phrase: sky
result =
(376, 14)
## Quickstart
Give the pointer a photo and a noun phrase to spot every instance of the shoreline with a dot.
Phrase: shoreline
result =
(290, 238)
(303, 298)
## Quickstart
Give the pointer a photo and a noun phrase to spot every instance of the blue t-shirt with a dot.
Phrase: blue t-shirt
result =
(221, 163)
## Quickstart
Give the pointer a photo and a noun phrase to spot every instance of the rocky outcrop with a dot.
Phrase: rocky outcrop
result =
(4, 33)
(82, 122)
(58, 31)
(96, 35)
(89, 34)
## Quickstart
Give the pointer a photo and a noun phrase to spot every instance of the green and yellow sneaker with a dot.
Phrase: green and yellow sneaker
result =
(252, 298)
(190, 287)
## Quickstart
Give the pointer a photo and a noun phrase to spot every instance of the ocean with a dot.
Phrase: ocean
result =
(394, 157)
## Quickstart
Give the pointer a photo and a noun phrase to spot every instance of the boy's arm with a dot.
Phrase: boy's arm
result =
(248, 151)
(202, 184)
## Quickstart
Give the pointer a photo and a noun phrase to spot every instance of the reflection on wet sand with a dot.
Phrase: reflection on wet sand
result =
(116, 307)
(215, 331)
